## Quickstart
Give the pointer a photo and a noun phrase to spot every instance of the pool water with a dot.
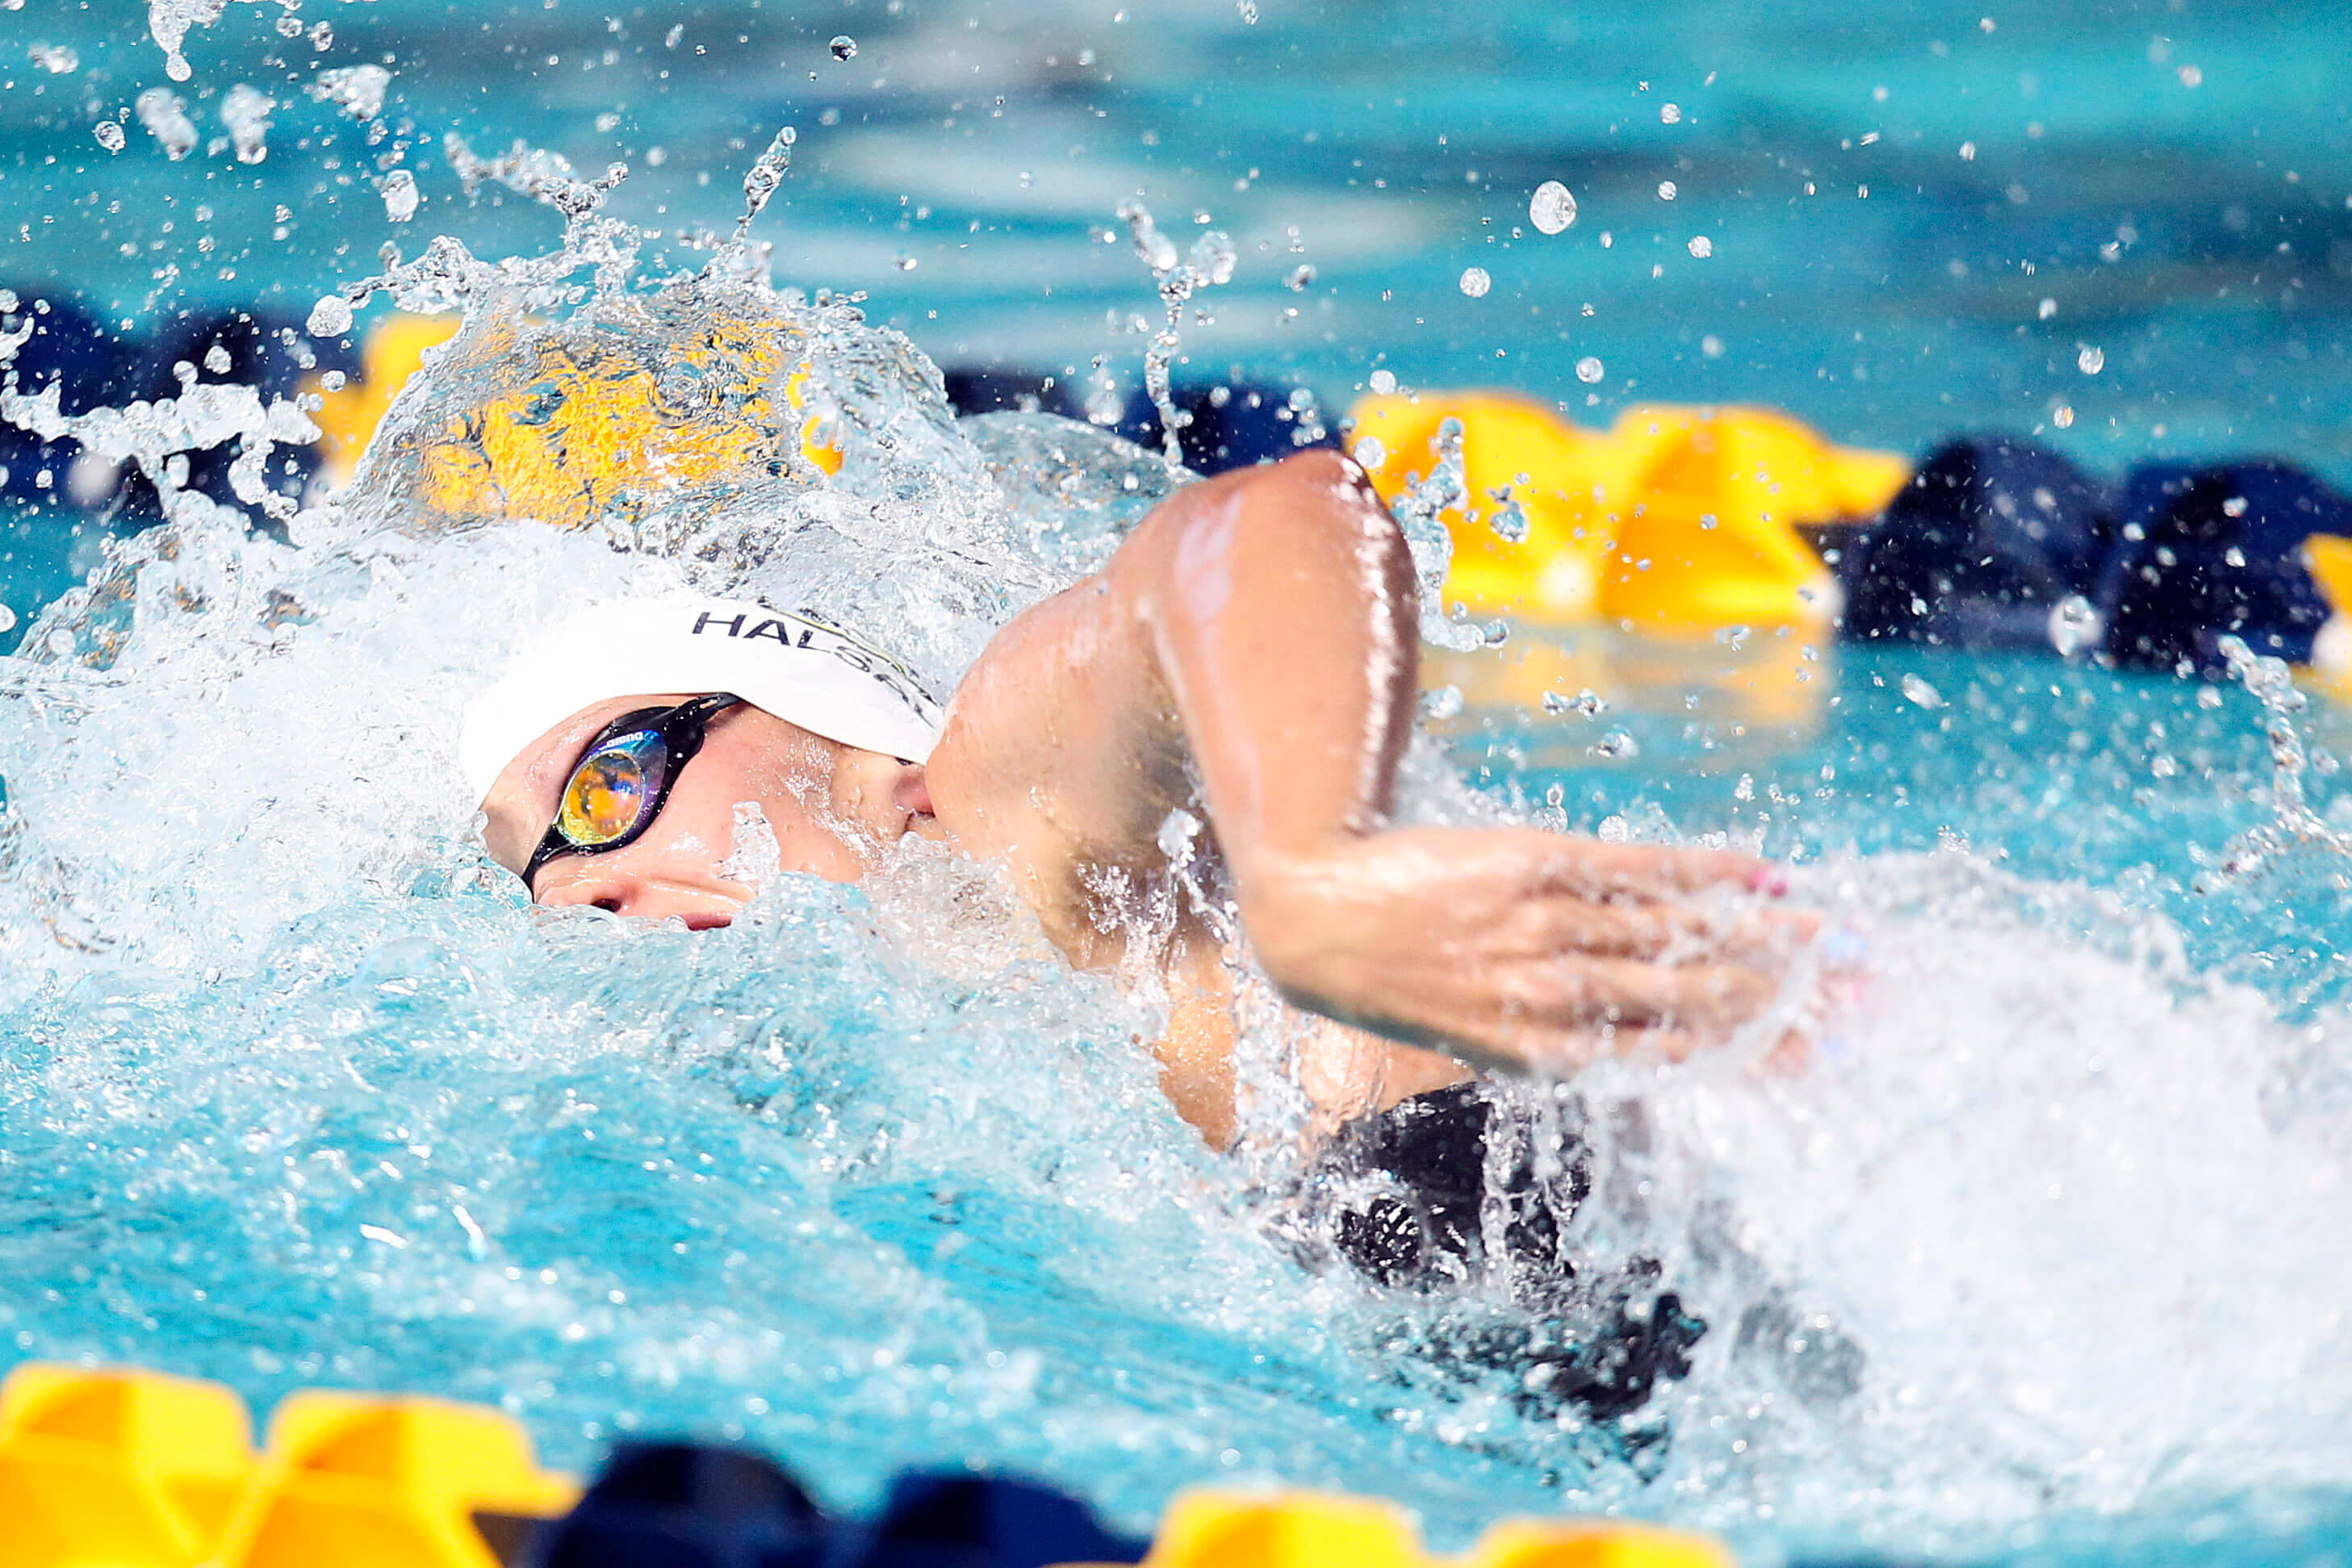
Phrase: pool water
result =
(296, 1089)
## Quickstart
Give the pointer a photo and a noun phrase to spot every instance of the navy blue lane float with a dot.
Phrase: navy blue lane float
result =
(1998, 544)
(688, 1505)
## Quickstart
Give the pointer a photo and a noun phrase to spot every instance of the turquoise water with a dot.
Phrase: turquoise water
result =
(296, 1090)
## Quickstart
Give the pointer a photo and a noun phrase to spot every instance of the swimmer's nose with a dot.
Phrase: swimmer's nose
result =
(620, 891)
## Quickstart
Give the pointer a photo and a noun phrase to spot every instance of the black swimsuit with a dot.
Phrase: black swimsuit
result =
(1403, 1195)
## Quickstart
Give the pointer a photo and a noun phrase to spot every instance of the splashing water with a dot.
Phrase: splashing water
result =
(1210, 265)
(1419, 513)
(869, 1175)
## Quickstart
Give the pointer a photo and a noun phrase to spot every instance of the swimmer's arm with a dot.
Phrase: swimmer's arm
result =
(1263, 625)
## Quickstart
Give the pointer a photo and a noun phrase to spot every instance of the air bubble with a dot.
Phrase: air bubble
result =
(1666, 191)
(1701, 246)
(1371, 452)
(1300, 276)
(1617, 743)
(844, 46)
(1475, 282)
(109, 135)
(1921, 693)
(1552, 208)
(1670, 114)
(216, 359)
(1590, 369)
(1383, 381)
(58, 60)
(2091, 360)
(2046, 309)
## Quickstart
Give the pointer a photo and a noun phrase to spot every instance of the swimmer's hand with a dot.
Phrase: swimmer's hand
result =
(1521, 949)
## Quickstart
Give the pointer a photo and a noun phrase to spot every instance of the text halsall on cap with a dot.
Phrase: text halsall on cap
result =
(801, 669)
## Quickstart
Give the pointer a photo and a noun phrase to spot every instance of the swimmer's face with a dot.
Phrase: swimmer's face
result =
(832, 807)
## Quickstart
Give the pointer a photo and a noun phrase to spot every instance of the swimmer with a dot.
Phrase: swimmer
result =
(1248, 655)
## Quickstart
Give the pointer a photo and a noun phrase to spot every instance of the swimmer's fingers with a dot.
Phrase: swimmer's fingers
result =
(1589, 992)
(1591, 867)
(1647, 929)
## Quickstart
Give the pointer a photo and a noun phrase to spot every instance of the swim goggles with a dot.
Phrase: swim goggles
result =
(623, 779)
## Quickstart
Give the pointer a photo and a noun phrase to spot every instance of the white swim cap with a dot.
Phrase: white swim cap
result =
(793, 665)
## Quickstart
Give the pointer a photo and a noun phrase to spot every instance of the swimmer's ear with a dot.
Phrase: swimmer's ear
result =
(911, 791)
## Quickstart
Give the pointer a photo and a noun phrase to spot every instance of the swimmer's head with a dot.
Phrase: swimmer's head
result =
(611, 758)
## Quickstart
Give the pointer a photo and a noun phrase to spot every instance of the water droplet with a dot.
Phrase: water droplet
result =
(844, 46)
(1921, 693)
(1590, 369)
(58, 60)
(1617, 743)
(2190, 76)
(2092, 361)
(1300, 276)
(329, 318)
(762, 179)
(1670, 113)
(1443, 703)
(1383, 381)
(1371, 452)
(161, 110)
(1475, 282)
(2234, 507)
(216, 359)
(109, 134)
(1509, 522)
(1968, 151)
(2061, 417)
(7, 619)
(400, 196)
(1248, 10)
(671, 38)
(1552, 208)
(1585, 702)
(246, 111)
(1701, 246)
(357, 91)
(2076, 624)
(2046, 309)
(1666, 192)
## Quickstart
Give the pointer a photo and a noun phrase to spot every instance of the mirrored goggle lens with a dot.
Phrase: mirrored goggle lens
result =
(613, 790)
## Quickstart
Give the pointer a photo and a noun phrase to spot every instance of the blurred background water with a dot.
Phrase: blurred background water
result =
(1920, 215)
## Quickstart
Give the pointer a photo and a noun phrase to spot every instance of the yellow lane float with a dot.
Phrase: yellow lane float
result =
(118, 1467)
(579, 424)
(1676, 520)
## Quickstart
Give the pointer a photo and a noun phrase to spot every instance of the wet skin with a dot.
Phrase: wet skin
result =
(1251, 649)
